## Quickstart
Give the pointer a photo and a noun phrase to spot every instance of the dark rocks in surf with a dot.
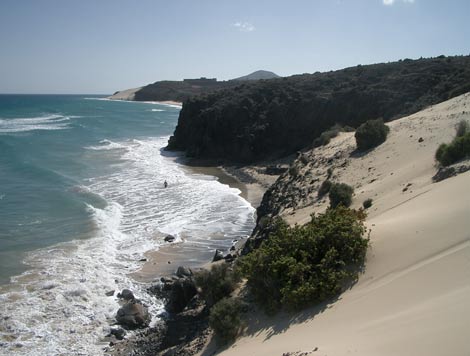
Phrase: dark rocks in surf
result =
(133, 315)
(169, 238)
(126, 294)
(176, 292)
(118, 333)
(182, 334)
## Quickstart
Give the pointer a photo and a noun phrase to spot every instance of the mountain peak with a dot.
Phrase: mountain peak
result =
(259, 74)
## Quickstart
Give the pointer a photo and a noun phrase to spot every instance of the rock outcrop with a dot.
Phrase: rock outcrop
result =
(451, 171)
(133, 315)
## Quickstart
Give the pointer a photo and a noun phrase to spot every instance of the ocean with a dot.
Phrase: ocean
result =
(81, 200)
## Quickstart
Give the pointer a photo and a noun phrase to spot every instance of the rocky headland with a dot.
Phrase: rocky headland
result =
(270, 119)
(179, 91)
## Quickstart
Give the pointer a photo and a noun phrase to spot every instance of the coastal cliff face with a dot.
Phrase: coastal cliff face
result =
(272, 119)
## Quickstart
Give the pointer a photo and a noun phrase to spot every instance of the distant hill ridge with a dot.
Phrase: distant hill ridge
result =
(258, 75)
(182, 90)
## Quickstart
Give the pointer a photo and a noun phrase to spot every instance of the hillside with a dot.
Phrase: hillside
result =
(258, 75)
(270, 119)
(412, 298)
(173, 90)
(178, 90)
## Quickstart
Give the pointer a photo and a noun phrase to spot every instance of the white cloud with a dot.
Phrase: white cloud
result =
(244, 26)
(391, 2)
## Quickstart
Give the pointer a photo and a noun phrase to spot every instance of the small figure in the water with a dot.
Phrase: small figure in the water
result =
(165, 184)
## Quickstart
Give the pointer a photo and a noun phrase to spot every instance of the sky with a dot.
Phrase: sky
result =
(101, 46)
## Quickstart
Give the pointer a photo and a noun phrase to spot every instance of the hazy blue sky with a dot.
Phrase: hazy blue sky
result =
(100, 46)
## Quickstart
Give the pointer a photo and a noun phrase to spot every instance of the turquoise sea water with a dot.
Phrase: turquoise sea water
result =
(81, 201)
(44, 158)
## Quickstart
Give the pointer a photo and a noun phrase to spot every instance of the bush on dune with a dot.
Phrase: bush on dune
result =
(458, 149)
(216, 283)
(301, 265)
(225, 320)
(371, 134)
(324, 188)
(367, 203)
(461, 128)
(326, 136)
(340, 194)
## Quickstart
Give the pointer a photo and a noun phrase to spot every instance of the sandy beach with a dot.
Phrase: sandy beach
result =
(167, 258)
(170, 102)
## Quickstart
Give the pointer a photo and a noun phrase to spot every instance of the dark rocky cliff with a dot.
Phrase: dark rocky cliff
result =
(274, 118)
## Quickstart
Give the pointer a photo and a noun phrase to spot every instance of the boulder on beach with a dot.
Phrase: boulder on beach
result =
(133, 315)
(182, 291)
(119, 333)
(169, 238)
(183, 271)
(219, 255)
(126, 294)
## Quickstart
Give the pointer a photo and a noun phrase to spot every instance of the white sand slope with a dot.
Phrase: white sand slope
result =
(414, 297)
(127, 94)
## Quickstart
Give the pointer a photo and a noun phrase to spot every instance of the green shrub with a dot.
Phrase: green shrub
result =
(216, 283)
(301, 265)
(458, 149)
(371, 134)
(224, 319)
(340, 194)
(324, 188)
(326, 136)
(367, 203)
(461, 128)
(440, 152)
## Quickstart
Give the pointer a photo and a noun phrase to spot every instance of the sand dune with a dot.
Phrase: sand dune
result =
(127, 94)
(414, 296)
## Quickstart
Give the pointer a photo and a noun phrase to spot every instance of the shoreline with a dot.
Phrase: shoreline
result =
(167, 258)
(171, 103)
(165, 102)
(164, 262)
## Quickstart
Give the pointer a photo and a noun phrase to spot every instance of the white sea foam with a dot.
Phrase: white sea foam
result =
(157, 110)
(102, 99)
(22, 124)
(176, 106)
(60, 306)
(107, 145)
